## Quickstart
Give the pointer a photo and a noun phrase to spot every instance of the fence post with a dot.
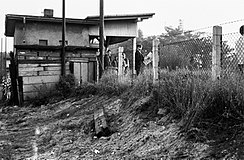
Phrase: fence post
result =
(98, 65)
(216, 52)
(155, 60)
(134, 58)
(120, 69)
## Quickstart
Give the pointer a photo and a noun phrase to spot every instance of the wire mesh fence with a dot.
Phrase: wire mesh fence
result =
(189, 56)
(232, 60)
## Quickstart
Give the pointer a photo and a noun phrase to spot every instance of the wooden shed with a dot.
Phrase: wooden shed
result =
(37, 48)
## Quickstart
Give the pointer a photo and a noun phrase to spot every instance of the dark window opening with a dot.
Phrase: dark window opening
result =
(43, 42)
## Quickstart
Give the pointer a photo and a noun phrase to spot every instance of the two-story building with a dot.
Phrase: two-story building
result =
(37, 47)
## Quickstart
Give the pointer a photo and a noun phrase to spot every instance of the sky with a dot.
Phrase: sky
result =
(195, 14)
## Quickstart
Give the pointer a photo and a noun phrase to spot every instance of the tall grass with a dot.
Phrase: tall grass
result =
(194, 98)
(190, 97)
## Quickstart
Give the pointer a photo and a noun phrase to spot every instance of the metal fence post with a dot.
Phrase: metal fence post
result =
(216, 52)
(155, 60)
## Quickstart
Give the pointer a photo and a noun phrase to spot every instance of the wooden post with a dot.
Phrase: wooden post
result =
(13, 76)
(5, 60)
(120, 68)
(155, 60)
(134, 57)
(101, 37)
(216, 52)
(1, 57)
(98, 65)
(63, 68)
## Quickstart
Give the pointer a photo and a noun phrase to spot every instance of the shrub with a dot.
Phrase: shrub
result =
(110, 84)
(66, 84)
(86, 90)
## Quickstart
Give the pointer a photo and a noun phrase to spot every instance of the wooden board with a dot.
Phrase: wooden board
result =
(77, 72)
(29, 69)
(28, 65)
(28, 73)
(91, 72)
(49, 73)
(84, 72)
(38, 87)
(41, 79)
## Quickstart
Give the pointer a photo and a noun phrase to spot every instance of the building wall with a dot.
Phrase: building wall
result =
(40, 70)
(116, 28)
(32, 32)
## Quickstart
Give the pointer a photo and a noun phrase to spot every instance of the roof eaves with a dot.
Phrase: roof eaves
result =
(125, 16)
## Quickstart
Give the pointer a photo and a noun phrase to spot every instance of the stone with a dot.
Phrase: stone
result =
(161, 111)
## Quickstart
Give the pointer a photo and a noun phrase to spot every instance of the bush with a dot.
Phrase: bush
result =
(66, 84)
(110, 84)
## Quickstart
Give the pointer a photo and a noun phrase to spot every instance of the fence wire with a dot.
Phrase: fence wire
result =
(232, 55)
(189, 56)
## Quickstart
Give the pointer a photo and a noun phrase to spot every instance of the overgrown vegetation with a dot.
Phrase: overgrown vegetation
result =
(204, 109)
(66, 84)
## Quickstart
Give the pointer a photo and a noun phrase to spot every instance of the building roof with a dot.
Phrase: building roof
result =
(11, 19)
(136, 17)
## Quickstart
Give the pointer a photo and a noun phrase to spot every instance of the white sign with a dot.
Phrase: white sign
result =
(148, 58)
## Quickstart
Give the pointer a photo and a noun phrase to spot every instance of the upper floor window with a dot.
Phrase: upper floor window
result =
(43, 42)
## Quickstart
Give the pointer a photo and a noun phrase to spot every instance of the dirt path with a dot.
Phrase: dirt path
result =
(65, 130)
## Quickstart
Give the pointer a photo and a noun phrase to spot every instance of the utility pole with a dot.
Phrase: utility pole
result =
(63, 56)
(1, 57)
(101, 35)
(5, 62)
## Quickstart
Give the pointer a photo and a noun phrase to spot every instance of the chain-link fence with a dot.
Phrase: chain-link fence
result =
(189, 56)
(232, 55)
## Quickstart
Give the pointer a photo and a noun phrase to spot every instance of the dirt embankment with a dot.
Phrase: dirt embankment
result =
(65, 130)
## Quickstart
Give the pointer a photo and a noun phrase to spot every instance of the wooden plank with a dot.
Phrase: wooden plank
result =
(47, 68)
(73, 55)
(49, 53)
(31, 69)
(28, 65)
(92, 60)
(21, 57)
(91, 72)
(41, 79)
(51, 65)
(55, 68)
(77, 72)
(82, 60)
(40, 87)
(84, 72)
(54, 58)
(27, 53)
(23, 61)
(83, 55)
(34, 58)
(28, 73)
(49, 73)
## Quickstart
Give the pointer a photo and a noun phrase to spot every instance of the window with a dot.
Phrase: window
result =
(43, 42)
(60, 42)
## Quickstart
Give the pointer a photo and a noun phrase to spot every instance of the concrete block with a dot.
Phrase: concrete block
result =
(101, 125)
